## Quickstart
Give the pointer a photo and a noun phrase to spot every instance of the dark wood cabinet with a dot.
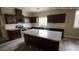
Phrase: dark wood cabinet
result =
(10, 18)
(19, 16)
(14, 34)
(42, 43)
(58, 18)
(18, 12)
(50, 45)
(32, 19)
(31, 40)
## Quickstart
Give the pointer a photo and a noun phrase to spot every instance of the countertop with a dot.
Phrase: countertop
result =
(52, 35)
(13, 29)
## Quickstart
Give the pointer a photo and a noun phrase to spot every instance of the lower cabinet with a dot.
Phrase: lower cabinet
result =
(42, 43)
(14, 34)
(49, 45)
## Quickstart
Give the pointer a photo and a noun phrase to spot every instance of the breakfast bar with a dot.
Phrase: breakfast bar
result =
(44, 39)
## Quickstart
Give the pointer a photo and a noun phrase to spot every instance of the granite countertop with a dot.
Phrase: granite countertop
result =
(52, 35)
(11, 29)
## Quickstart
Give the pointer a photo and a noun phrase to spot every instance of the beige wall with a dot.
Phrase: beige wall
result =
(69, 21)
(2, 26)
(69, 29)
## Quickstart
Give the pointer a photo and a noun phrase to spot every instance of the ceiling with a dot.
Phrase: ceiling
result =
(40, 9)
(35, 9)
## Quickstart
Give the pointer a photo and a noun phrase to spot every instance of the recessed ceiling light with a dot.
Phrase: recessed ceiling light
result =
(37, 8)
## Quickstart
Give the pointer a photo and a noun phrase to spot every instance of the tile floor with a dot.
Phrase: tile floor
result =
(67, 44)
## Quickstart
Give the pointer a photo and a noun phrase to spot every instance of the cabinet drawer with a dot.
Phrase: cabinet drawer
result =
(14, 34)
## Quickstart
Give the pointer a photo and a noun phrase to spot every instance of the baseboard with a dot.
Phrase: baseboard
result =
(74, 37)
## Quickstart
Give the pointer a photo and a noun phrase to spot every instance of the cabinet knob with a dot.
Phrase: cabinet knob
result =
(30, 46)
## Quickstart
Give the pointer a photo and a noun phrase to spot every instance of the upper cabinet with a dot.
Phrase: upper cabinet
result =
(18, 12)
(32, 19)
(10, 18)
(58, 18)
(13, 19)
(19, 16)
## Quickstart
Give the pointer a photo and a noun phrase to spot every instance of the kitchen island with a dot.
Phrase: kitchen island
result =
(43, 39)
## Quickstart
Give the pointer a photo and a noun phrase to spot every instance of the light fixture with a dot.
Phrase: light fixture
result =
(37, 8)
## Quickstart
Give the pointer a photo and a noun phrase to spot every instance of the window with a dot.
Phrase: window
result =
(26, 20)
(76, 22)
(42, 21)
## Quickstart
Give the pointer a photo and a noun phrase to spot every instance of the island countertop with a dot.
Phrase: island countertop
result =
(52, 35)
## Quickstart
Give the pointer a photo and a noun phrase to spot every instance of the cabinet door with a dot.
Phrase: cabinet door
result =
(31, 40)
(32, 19)
(35, 41)
(14, 34)
(58, 18)
(49, 45)
(19, 15)
(10, 19)
(26, 38)
(18, 12)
